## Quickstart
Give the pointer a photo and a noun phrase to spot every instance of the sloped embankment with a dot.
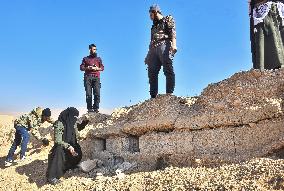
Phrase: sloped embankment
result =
(233, 120)
(236, 119)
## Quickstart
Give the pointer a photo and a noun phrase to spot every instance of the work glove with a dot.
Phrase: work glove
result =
(45, 142)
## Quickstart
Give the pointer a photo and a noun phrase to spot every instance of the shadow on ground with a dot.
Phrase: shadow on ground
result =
(2, 162)
(35, 171)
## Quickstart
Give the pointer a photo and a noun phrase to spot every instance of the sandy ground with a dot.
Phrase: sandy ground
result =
(256, 174)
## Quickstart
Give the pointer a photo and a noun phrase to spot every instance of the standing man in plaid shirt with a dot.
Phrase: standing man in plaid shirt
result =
(92, 66)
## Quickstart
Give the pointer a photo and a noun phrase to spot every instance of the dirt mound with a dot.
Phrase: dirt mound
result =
(246, 97)
(244, 113)
(234, 120)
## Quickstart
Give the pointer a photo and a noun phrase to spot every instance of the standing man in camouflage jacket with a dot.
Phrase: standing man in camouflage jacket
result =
(24, 124)
(161, 50)
(92, 66)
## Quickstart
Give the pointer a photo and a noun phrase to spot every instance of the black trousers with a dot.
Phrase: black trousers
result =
(92, 87)
(158, 57)
(60, 160)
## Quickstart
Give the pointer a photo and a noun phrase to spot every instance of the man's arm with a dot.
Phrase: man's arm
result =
(146, 60)
(172, 32)
(83, 66)
(92, 68)
(81, 124)
(35, 133)
(101, 66)
(174, 44)
(33, 125)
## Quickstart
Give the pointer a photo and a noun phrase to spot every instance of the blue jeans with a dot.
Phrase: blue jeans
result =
(158, 57)
(22, 137)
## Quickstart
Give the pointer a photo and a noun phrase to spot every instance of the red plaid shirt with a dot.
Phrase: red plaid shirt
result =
(91, 61)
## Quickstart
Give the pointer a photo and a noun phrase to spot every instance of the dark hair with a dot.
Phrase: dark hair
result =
(46, 112)
(155, 9)
(155, 12)
(92, 45)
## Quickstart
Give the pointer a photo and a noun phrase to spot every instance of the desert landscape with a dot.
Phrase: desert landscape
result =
(228, 138)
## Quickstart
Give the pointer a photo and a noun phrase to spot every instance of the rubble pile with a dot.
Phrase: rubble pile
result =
(95, 120)
(244, 98)
(157, 114)
(228, 138)
(234, 120)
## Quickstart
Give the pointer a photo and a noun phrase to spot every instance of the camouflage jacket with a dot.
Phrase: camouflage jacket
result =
(162, 31)
(31, 121)
(58, 133)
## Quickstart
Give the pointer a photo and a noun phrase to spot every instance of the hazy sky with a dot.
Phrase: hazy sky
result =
(42, 44)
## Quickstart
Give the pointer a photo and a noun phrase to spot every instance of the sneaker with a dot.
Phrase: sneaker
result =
(90, 111)
(93, 111)
(8, 163)
(153, 96)
(53, 181)
(21, 159)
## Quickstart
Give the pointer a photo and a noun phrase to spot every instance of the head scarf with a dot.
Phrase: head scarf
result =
(68, 118)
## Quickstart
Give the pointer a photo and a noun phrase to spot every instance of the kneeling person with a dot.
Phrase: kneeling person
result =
(66, 152)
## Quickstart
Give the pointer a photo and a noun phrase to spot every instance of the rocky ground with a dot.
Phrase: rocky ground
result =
(256, 174)
(243, 96)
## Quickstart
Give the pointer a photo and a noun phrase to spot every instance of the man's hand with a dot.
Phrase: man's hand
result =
(82, 125)
(173, 46)
(98, 69)
(173, 49)
(45, 142)
(72, 151)
(95, 68)
(29, 123)
(146, 60)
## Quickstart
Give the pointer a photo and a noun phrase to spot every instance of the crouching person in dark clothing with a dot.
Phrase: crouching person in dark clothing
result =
(66, 152)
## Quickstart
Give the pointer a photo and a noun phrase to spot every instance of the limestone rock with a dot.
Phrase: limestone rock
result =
(232, 120)
(88, 165)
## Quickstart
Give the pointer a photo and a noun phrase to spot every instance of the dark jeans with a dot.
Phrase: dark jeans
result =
(157, 57)
(92, 86)
(22, 137)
